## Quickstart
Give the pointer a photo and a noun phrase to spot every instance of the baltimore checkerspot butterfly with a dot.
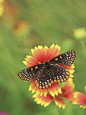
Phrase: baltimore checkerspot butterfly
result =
(50, 72)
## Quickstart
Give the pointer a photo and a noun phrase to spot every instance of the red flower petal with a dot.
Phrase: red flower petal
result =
(80, 98)
(54, 89)
(54, 51)
(69, 96)
(30, 61)
(84, 106)
(81, 102)
(60, 103)
(45, 101)
(47, 53)
(39, 54)
(79, 95)
(69, 86)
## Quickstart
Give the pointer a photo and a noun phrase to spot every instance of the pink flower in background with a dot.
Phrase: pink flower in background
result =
(3, 113)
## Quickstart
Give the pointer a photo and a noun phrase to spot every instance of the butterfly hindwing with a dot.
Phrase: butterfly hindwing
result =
(47, 76)
(29, 73)
(44, 78)
(60, 74)
(65, 59)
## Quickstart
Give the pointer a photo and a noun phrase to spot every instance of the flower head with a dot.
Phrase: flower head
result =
(80, 98)
(80, 33)
(67, 93)
(42, 55)
(20, 28)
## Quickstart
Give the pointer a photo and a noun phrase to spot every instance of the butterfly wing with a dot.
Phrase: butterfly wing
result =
(60, 74)
(47, 76)
(30, 73)
(65, 59)
(44, 78)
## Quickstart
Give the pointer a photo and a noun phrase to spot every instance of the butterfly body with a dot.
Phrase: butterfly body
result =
(50, 72)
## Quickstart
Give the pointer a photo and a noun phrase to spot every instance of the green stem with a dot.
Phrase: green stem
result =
(83, 45)
(57, 112)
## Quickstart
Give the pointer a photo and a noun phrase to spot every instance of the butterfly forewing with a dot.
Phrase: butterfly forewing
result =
(65, 59)
(30, 73)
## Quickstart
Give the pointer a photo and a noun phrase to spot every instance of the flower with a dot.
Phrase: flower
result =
(80, 33)
(80, 98)
(1, 1)
(67, 93)
(3, 113)
(40, 55)
(1, 7)
(20, 28)
(10, 9)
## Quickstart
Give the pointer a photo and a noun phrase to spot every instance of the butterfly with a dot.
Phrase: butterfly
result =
(50, 72)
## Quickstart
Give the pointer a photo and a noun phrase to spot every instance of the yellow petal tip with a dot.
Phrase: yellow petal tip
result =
(40, 47)
(45, 47)
(35, 48)
(24, 62)
(45, 94)
(63, 107)
(30, 88)
(32, 50)
(60, 91)
(52, 45)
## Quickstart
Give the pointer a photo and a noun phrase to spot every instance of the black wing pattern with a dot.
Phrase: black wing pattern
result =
(30, 73)
(65, 59)
(47, 76)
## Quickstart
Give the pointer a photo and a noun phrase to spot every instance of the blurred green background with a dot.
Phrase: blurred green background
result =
(28, 23)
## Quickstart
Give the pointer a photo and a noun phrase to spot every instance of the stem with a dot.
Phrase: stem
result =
(83, 45)
(57, 111)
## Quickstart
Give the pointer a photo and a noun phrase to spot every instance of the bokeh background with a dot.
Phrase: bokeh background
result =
(28, 23)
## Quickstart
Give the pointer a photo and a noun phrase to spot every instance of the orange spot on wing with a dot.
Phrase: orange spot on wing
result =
(57, 70)
(31, 69)
(61, 80)
(60, 57)
(64, 79)
(66, 76)
(40, 87)
(46, 86)
(56, 59)
(36, 67)
(43, 87)
(19, 74)
(58, 80)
